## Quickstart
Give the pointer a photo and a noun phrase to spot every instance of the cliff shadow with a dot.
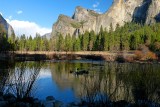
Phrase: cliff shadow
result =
(140, 12)
(157, 18)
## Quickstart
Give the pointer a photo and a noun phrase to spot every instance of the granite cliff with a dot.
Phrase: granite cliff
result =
(121, 11)
(7, 27)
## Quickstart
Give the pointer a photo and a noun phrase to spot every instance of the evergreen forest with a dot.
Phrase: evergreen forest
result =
(129, 37)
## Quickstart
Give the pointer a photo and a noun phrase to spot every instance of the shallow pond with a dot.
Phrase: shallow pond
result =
(105, 81)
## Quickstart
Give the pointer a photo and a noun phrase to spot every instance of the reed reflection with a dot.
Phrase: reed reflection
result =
(110, 82)
(22, 78)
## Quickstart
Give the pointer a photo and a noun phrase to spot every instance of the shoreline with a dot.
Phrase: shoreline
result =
(9, 100)
(94, 55)
(119, 56)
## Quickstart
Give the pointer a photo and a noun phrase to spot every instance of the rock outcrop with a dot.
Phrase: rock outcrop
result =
(81, 21)
(63, 25)
(86, 18)
(153, 12)
(7, 27)
(121, 11)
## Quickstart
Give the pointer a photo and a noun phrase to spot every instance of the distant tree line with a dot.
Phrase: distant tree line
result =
(128, 37)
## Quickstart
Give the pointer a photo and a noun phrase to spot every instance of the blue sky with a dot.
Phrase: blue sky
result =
(41, 14)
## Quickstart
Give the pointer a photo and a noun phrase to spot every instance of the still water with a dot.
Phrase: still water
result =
(106, 81)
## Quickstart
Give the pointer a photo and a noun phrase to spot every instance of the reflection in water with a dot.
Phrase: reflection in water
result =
(129, 82)
(110, 82)
(3, 79)
(4, 74)
(144, 81)
(21, 79)
(105, 83)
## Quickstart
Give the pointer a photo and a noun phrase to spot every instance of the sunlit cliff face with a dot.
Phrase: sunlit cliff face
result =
(121, 11)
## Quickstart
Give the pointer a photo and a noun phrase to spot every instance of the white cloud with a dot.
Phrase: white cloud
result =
(98, 11)
(19, 12)
(96, 5)
(44, 73)
(27, 28)
(10, 17)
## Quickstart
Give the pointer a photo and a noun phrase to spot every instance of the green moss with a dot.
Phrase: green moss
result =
(76, 25)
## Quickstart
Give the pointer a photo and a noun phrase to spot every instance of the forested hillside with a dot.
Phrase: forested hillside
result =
(129, 37)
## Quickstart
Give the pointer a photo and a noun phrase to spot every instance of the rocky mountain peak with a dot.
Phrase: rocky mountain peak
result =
(121, 11)
(83, 14)
(63, 25)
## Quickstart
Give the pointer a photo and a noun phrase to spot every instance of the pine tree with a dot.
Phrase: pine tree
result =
(92, 38)
(60, 43)
(68, 43)
(85, 41)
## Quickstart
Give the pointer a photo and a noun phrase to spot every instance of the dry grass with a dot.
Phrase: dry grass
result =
(75, 53)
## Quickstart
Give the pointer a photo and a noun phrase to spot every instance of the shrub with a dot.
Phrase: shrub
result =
(156, 46)
(150, 56)
(138, 55)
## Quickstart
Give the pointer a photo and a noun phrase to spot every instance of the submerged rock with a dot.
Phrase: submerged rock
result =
(37, 103)
(9, 96)
(81, 72)
(1, 93)
(1, 98)
(3, 103)
(48, 104)
(121, 103)
(11, 100)
(58, 103)
(50, 98)
(22, 104)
